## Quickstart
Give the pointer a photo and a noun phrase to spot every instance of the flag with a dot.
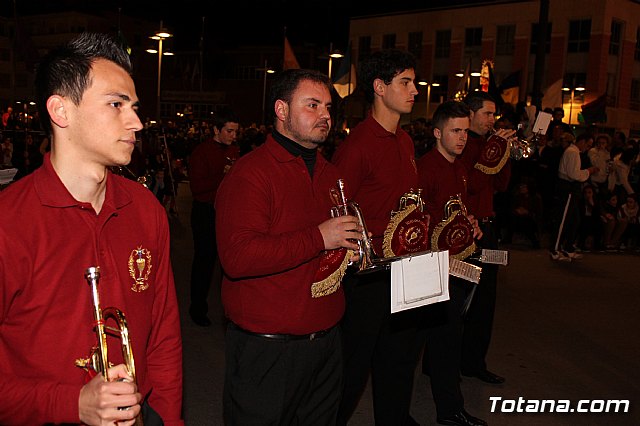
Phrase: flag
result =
(492, 88)
(553, 95)
(345, 79)
(596, 110)
(461, 89)
(290, 61)
(510, 88)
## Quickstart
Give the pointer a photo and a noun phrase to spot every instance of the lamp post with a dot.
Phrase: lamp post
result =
(266, 71)
(429, 85)
(572, 98)
(160, 36)
(333, 54)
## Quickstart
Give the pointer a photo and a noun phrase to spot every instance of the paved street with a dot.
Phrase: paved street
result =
(564, 331)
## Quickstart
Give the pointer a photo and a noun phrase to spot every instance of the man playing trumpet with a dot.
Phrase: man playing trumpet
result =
(485, 178)
(70, 214)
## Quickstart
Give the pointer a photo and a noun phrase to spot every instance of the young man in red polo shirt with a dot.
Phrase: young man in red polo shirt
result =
(283, 349)
(71, 214)
(441, 175)
(208, 163)
(377, 162)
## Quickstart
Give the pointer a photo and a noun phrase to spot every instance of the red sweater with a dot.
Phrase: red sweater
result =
(378, 167)
(267, 214)
(47, 240)
(439, 180)
(481, 185)
(207, 166)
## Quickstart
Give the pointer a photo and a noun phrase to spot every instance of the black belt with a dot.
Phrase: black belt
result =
(286, 337)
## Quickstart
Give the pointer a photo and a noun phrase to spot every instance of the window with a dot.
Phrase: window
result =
(440, 91)
(415, 44)
(505, 42)
(473, 37)
(616, 37)
(534, 38)
(443, 43)
(389, 41)
(364, 47)
(635, 94)
(574, 79)
(579, 35)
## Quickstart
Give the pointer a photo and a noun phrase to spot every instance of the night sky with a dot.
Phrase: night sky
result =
(235, 22)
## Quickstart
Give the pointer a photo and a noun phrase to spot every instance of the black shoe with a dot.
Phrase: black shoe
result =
(461, 419)
(200, 319)
(487, 377)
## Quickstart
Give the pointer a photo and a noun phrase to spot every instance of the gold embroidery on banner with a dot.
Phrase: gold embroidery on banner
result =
(331, 284)
(140, 268)
(396, 220)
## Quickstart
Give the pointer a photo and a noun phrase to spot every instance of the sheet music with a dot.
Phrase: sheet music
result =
(419, 280)
(495, 257)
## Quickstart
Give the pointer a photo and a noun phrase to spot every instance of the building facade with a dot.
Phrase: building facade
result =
(591, 44)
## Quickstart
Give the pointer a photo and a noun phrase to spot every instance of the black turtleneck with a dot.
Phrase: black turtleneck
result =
(308, 154)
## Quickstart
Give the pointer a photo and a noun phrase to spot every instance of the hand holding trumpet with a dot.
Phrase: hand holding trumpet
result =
(101, 402)
(341, 231)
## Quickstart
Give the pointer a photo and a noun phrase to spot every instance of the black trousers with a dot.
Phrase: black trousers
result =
(381, 344)
(205, 253)
(478, 322)
(278, 382)
(441, 359)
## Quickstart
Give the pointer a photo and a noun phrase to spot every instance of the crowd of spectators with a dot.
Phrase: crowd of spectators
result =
(609, 205)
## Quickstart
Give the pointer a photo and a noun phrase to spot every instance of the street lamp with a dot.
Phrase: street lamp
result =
(266, 71)
(572, 90)
(333, 54)
(429, 85)
(161, 35)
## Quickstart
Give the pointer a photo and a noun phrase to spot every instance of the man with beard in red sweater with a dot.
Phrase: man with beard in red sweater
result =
(283, 349)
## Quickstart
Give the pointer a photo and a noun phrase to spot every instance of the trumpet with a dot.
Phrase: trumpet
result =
(98, 359)
(343, 207)
(518, 147)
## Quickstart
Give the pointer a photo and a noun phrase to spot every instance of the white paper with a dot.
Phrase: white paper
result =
(419, 280)
(7, 175)
(542, 122)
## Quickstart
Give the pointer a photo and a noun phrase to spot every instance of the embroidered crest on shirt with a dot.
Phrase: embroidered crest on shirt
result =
(140, 268)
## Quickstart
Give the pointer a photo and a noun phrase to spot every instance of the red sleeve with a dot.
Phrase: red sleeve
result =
(25, 400)
(164, 350)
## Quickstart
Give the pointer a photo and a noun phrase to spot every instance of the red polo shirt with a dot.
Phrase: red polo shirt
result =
(378, 167)
(268, 210)
(207, 166)
(47, 240)
(481, 185)
(439, 180)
